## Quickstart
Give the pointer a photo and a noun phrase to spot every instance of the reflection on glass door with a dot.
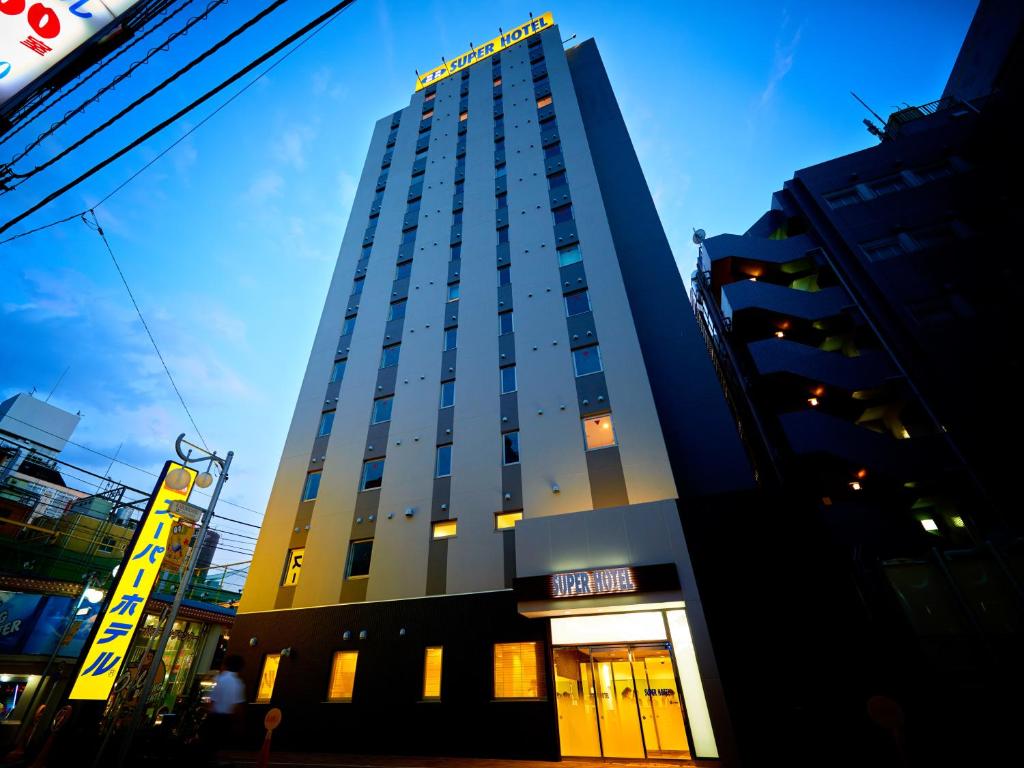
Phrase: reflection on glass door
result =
(619, 702)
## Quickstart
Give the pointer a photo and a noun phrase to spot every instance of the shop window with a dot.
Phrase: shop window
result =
(397, 310)
(373, 475)
(510, 448)
(577, 303)
(543, 102)
(587, 360)
(343, 676)
(519, 671)
(339, 370)
(432, 673)
(443, 467)
(505, 520)
(359, 554)
(508, 379)
(326, 422)
(570, 254)
(268, 677)
(598, 432)
(312, 486)
(382, 410)
(293, 567)
(444, 529)
(447, 394)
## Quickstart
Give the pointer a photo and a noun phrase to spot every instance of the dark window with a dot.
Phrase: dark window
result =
(409, 236)
(357, 285)
(447, 394)
(889, 184)
(505, 323)
(389, 356)
(429, 96)
(503, 235)
(500, 170)
(562, 214)
(504, 275)
(359, 553)
(373, 475)
(510, 445)
(366, 251)
(883, 249)
(339, 370)
(844, 198)
(312, 486)
(577, 303)
(397, 310)
(508, 379)
(403, 270)
(460, 184)
(444, 461)
(553, 151)
(456, 252)
(502, 200)
(556, 180)
(451, 338)
(457, 219)
(587, 360)
(348, 326)
(382, 410)
(933, 172)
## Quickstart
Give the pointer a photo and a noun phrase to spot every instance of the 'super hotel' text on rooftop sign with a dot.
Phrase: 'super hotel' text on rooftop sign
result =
(486, 50)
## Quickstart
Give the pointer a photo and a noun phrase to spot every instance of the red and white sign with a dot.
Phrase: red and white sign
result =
(36, 34)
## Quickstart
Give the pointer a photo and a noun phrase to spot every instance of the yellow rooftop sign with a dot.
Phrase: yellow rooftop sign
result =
(457, 63)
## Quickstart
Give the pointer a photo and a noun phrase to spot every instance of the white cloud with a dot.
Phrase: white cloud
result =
(782, 62)
(265, 186)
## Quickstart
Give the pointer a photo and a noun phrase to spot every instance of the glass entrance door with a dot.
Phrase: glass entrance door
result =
(620, 701)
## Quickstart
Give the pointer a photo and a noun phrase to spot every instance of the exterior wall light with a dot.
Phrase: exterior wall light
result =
(286, 651)
(253, 642)
(929, 525)
(347, 635)
(177, 479)
(362, 634)
(812, 401)
(854, 486)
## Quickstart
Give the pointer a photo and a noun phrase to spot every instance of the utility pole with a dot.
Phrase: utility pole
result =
(186, 578)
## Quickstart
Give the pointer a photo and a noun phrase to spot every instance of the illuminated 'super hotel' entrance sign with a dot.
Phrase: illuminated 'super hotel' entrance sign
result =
(513, 36)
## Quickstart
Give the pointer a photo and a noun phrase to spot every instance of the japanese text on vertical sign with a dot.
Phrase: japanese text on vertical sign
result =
(135, 582)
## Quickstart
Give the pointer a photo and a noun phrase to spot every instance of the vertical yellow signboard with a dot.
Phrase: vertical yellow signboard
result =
(106, 654)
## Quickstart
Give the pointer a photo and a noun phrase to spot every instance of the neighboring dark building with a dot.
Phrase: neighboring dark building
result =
(862, 332)
(473, 543)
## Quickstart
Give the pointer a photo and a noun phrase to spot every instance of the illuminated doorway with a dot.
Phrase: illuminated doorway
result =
(619, 701)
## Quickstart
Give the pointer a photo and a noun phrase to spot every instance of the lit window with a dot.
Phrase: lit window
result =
(463, 116)
(382, 410)
(505, 520)
(268, 677)
(326, 422)
(508, 379)
(569, 255)
(577, 303)
(451, 338)
(359, 554)
(518, 671)
(312, 486)
(543, 102)
(510, 448)
(556, 180)
(587, 360)
(293, 567)
(389, 356)
(443, 529)
(505, 323)
(339, 370)
(504, 275)
(373, 475)
(929, 525)
(453, 292)
(447, 394)
(432, 673)
(497, 81)
(428, 114)
(343, 676)
(348, 326)
(397, 310)
(562, 214)
(598, 432)
(403, 270)
(444, 461)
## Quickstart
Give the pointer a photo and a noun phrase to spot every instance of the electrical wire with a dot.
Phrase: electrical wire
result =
(11, 173)
(323, 19)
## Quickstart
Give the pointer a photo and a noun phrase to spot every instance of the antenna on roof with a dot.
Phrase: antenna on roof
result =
(501, 31)
(872, 128)
(698, 236)
(531, 14)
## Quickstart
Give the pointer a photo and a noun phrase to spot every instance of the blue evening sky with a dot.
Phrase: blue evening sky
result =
(229, 241)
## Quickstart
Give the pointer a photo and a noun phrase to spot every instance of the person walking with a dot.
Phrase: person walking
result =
(226, 705)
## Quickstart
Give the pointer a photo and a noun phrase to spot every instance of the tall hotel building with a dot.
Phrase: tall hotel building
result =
(474, 541)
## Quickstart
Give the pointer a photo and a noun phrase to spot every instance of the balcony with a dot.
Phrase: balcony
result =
(754, 248)
(867, 371)
(751, 294)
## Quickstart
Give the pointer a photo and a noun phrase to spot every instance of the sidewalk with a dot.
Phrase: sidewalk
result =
(320, 760)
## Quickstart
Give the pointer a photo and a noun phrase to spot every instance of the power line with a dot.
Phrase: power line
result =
(99, 231)
(325, 17)
(144, 97)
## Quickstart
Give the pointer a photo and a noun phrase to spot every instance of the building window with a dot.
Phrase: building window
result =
(508, 379)
(443, 466)
(889, 184)
(502, 200)
(598, 431)
(312, 487)
(457, 219)
(505, 520)
(519, 671)
(293, 567)
(359, 553)
(267, 678)
(348, 326)
(403, 270)
(451, 338)
(343, 676)
(444, 529)
(430, 96)
(503, 235)
(553, 150)
(453, 292)
(397, 310)
(510, 448)
(432, 671)
(933, 172)
(373, 475)
(843, 198)
(456, 252)
(463, 116)
(106, 545)
(339, 370)
(382, 410)
(504, 275)
(557, 180)
(543, 102)
(357, 286)
(500, 170)
(577, 303)
(880, 250)
(389, 356)
(447, 394)
(326, 422)
(497, 81)
(409, 236)
(587, 360)
(562, 214)
(570, 254)
(505, 323)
